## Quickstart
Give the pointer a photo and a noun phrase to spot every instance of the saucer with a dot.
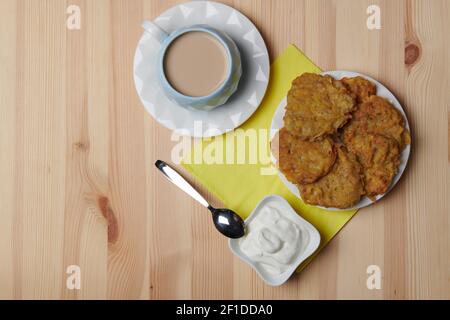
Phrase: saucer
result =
(240, 106)
(382, 91)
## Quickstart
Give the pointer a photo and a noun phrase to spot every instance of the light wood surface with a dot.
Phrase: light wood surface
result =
(77, 149)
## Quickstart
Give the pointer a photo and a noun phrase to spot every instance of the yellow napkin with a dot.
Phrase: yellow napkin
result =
(241, 186)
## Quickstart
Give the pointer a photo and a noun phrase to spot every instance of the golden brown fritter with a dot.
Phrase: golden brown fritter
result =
(376, 115)
(316, 105)
(379, 156)
(360, 88)
(303, 161)
(341, 188)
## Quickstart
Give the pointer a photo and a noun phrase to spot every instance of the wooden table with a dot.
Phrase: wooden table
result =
(77, 151)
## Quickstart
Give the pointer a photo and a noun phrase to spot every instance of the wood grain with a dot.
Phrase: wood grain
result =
(77, 152)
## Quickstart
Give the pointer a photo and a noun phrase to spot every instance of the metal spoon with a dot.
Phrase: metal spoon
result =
(225, 220)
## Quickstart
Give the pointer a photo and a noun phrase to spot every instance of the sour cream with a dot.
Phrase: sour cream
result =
(273, 240)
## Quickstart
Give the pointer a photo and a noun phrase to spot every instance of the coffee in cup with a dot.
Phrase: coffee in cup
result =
(196, 64)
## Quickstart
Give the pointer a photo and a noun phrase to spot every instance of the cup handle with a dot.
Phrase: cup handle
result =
(155, 30)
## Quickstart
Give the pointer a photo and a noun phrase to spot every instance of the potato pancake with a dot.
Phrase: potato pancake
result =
(360, 88)
(377, 116)
(303, 161)
(379, 156)
(341, 188)
(317, 105)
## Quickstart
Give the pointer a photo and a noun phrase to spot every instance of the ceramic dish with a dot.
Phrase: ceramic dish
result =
(308, 250)
(252, 85)
(382, 91)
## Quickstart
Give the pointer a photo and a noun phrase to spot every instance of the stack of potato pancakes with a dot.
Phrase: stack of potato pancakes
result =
(340, 141)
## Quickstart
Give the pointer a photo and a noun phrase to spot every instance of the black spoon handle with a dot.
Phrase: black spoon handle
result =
(180, 182)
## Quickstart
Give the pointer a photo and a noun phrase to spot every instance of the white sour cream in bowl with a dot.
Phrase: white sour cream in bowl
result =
(276, 240)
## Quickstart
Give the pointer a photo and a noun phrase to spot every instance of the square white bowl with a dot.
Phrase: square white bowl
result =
(305, 226)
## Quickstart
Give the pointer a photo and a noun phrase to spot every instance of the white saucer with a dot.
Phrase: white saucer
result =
(382, 91)
(252, 86)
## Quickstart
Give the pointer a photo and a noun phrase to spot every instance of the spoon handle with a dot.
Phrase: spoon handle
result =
(180, 182)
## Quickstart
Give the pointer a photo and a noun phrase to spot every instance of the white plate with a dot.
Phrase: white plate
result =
(308, 250)
(252, 86)
(382, 91)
